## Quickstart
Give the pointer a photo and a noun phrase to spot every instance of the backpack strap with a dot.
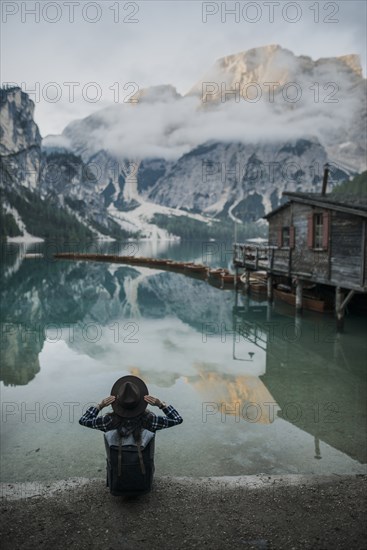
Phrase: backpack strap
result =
(142, 466)
(119, 457)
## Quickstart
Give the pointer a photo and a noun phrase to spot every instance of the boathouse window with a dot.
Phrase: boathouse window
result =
(286, 236)
(318, 231)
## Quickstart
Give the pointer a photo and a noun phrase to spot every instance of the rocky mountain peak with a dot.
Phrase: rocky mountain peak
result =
(154, 94)
(354, 62)
(18, 129)
(272, 63)
(20, 139)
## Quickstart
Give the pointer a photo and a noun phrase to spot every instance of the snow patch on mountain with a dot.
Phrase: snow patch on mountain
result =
(25, 237)
(138, 220)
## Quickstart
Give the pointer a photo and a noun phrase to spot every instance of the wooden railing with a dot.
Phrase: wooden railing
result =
(253, 256)
(260, 257)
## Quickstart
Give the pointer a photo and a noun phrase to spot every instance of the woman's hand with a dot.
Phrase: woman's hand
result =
(153, 400)
(107, 401)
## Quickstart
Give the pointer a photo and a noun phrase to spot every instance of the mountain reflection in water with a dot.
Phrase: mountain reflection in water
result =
(259, 390)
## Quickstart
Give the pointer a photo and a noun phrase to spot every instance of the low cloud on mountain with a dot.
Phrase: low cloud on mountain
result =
(278, 96)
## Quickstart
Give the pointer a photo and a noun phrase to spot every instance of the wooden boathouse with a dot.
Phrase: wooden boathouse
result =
(313, 238)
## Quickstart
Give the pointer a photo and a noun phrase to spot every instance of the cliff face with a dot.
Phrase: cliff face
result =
(51, 192)
(20, 140)
(243, 181)
(44, 194)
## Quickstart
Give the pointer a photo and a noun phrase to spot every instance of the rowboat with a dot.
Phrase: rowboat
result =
(196, 268)
(229, 278)
(172, 265)
(256, 276)
(217, 273)
(308, 302)
(258, 287)
(158, 262)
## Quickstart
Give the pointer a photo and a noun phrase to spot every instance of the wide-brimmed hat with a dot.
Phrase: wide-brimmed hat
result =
(129, 392)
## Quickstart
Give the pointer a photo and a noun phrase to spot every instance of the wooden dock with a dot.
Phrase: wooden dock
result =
(219, 277)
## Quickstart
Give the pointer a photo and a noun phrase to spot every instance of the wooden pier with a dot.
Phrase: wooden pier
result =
(220, 277)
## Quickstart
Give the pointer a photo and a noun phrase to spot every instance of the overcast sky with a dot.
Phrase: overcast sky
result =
(155, 42)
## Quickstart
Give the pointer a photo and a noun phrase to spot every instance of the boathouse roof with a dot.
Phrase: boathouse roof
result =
(350, 204)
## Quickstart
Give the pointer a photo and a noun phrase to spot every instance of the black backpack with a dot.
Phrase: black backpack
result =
(128, 473)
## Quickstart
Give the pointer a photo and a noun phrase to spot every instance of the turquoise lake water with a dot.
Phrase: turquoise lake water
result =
(260, 391)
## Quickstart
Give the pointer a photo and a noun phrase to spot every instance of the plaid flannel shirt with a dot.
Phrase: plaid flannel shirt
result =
(152, 422)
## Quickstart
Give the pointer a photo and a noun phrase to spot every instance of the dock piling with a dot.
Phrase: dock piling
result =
(299, 289)
(247, 281)
(340, 305)
(270, 287)
(339, 310)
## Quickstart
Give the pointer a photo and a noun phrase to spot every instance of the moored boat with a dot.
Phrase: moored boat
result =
(33, 255)
(196, 268)
(229, 278)
(308, 302)
(258, 287)
(156, 262)
(217, 273)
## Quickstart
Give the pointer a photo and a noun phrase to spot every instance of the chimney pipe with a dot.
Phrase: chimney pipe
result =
(324, 181)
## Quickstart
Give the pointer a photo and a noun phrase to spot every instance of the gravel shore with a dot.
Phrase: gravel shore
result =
(259, 512)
